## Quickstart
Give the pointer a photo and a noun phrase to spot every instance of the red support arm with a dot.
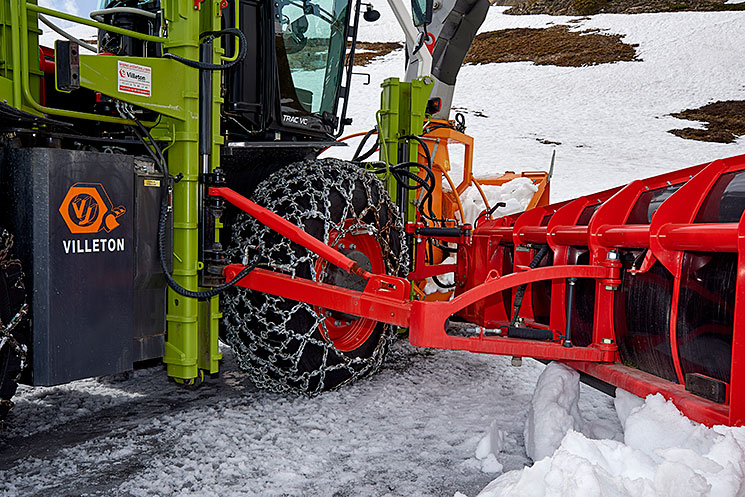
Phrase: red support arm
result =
(289, 230)
(385, 298)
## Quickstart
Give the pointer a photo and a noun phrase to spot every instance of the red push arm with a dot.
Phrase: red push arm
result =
(385, 298)
(290, 231)
(427, 324)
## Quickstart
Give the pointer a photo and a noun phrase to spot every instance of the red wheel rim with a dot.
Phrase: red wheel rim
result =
(348, 333)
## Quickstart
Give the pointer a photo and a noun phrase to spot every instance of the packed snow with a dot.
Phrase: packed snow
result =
(434, 422)
(515, 194)
(660, 453)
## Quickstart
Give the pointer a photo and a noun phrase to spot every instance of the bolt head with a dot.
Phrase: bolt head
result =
(612, 256)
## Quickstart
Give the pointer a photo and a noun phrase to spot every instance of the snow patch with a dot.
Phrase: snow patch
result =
(489, 446)
(624, 403)
(516, 194)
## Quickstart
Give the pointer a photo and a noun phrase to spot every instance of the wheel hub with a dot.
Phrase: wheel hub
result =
(347, 331)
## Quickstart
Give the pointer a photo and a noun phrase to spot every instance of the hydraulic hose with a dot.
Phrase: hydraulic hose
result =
(242, 42)
(520, 293)
(157, 155)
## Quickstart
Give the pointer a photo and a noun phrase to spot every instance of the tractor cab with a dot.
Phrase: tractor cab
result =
(291, 80)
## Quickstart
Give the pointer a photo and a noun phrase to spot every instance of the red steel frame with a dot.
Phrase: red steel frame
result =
(484, 275)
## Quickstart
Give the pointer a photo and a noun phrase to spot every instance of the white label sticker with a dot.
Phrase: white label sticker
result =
(134, 79)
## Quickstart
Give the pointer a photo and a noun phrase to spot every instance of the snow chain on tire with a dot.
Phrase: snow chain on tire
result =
(13, 308)
(283, 345)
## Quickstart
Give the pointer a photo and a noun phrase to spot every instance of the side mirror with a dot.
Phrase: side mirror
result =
(421, 12)
(371, 15)
(294, 38)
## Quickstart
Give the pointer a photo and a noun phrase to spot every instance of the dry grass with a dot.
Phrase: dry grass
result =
(556, 45)
(725, 121)
(368, 51)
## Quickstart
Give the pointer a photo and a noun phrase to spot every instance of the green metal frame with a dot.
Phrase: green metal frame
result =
(192, 325)
(402, 113)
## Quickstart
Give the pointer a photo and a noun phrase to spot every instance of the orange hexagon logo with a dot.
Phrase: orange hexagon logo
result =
(87, 208)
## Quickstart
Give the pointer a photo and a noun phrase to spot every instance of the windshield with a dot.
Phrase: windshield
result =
(312, 42)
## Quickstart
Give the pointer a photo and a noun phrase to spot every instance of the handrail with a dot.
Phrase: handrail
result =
(95, 24)
(236, 49)
(24, 77)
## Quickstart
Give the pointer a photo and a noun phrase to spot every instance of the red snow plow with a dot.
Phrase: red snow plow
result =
(637, 286)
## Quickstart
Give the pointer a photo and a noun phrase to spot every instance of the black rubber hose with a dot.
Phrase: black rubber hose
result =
(521, 289)
(162, 218)
(427, 198)
(357, 153)
(242, 42)
(206, 294)
(489, 212)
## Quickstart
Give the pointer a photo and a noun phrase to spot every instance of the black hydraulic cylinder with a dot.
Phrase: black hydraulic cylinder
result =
(205, 102)
(571, 282)
(529, 333)
(211, 252)
(442, 232)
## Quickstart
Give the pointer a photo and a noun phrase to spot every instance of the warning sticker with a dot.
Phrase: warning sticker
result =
(134, 79)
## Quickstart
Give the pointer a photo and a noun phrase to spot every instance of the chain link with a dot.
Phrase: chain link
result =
(284, 345)
(6, 329)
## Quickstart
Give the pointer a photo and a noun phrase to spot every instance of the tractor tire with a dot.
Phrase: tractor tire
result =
(286, 345)
(13, 338)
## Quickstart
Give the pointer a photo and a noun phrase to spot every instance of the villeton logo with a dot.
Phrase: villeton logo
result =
(87, 208)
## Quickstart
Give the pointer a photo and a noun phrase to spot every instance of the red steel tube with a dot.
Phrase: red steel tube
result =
(624, 235)
(290, 231)
(707, 237)
(533, 234)
(570, 235)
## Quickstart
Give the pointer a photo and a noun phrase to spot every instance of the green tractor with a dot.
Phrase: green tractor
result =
(110, 148)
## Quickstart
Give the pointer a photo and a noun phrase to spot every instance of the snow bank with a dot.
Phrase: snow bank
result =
(553, 411)
(663, 452)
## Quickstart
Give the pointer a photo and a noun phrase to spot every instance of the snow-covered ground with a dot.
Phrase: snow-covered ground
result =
(433, 422)
(411, 430)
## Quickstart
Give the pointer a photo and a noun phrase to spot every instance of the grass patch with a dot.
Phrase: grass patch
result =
(725, 122)
(556, 45)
